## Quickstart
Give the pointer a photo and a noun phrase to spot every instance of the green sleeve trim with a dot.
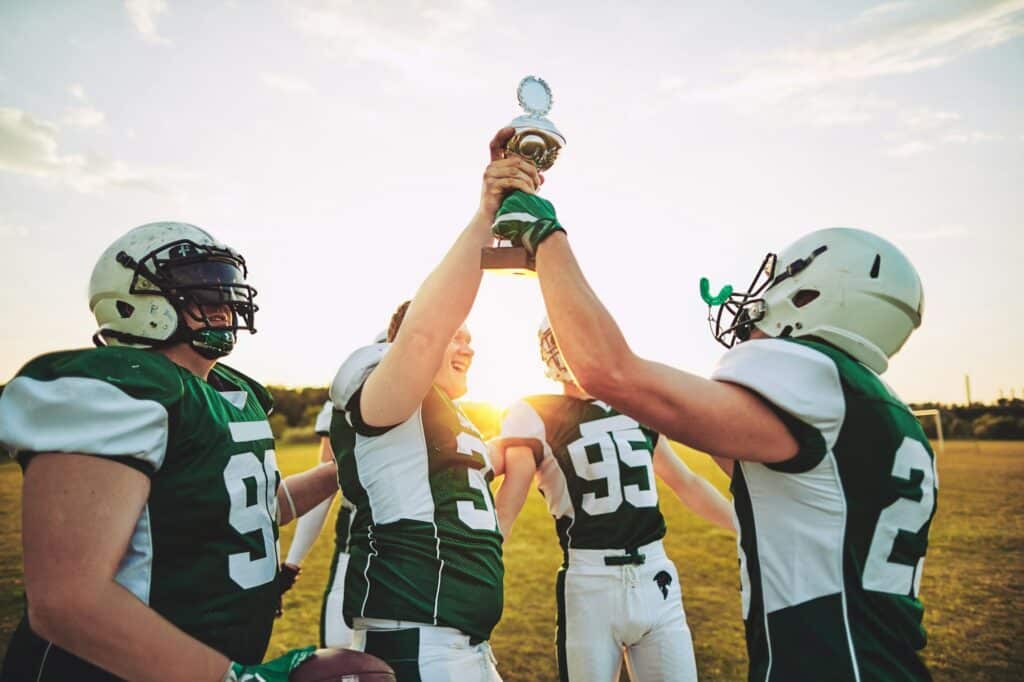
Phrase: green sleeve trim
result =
(146, 468)
(811, 448)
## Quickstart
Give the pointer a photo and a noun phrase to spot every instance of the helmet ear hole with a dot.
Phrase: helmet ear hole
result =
(876, 266)
(124, 309)
(804, 296)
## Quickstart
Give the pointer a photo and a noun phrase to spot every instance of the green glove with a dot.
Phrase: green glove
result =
(525, 220)
(276, 670)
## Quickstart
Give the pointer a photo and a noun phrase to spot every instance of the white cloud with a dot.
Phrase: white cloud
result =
(29, 146)
(405, 34)
(928, 119)
(902, 39)
(912, 148)
(970, 136)
(285, 83)
(83, 117)
(143, 14)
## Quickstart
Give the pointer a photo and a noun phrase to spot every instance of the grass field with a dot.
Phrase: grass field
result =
(973, 586)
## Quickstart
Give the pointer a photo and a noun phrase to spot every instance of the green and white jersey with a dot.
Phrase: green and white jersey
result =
(594, 467)
(425, 543)
(832, 542)
(343, 524)
(204, 550)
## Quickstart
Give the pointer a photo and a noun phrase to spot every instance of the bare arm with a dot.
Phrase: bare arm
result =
(695, 492)
(719, 418)
(398, 385)
(311, 524)
(79, 513)
(519, 468)
(307, 490)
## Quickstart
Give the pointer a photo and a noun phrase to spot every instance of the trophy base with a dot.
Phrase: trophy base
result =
(513, 260)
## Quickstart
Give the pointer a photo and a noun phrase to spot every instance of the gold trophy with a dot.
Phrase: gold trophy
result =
(539, 141)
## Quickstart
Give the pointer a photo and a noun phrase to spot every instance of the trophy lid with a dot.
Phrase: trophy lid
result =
(535, 97)
(529, 122)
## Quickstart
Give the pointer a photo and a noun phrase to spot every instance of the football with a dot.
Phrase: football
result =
(342, 665)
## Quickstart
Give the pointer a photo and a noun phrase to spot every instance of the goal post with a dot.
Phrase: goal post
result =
(933, 414)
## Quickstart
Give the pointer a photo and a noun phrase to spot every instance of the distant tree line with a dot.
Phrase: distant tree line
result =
(295, 411)
(1001, 420)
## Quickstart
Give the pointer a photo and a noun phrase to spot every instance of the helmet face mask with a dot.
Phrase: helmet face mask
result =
(735, 318)
(167, 283)
(554, 365)
(845, 287)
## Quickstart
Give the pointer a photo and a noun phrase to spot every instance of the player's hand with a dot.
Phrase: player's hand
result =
(526, 220)
(287, 577)
(506, 173)
(276, 670)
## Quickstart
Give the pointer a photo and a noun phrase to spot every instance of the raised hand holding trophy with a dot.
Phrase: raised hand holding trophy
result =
(539, 141)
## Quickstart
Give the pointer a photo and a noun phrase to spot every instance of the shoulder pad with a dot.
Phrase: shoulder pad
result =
(354, 371)
(794, 377)
(107, 401)
(140, 373)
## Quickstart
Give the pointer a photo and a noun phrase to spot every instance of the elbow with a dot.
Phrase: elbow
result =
(58, 613)
(603, 378)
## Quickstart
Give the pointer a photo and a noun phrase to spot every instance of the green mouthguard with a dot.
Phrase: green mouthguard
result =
(705, 293)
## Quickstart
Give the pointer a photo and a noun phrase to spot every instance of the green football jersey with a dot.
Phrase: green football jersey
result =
(832, 542)
(425, 544)
(594, 468)
(204, 550)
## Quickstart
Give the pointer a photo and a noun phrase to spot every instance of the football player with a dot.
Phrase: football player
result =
(151, 496)
(334, 632)
(833, 480)
(424, 583)
(617, 592)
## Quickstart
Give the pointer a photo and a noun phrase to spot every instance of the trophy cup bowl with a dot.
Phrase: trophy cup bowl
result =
(538, 140)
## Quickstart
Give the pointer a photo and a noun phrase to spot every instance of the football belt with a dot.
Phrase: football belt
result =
(631, 557)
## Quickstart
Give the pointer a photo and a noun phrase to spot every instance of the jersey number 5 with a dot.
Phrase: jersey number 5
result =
(613, 438)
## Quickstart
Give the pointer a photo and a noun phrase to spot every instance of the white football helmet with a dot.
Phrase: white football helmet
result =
(149, 279)
(849, 288)
(554, 366)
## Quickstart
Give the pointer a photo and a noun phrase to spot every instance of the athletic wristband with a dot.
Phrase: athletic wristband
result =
(534, 235)
(288, 497)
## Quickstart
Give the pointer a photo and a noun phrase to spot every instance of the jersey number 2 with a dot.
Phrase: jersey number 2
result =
(907, 515)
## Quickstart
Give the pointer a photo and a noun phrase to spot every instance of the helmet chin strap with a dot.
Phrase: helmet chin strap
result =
(212, 344)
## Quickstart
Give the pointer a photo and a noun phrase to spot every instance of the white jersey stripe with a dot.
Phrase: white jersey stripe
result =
(246, 432)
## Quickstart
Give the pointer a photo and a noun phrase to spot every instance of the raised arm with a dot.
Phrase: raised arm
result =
(398, 385)
(716, 417)
(694, 491)
(74, 537)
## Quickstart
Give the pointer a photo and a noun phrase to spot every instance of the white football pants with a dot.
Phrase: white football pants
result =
(606, 613)
(333, 630)
(434, 653)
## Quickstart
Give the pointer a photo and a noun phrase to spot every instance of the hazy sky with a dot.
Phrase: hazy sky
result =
(339, 146)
